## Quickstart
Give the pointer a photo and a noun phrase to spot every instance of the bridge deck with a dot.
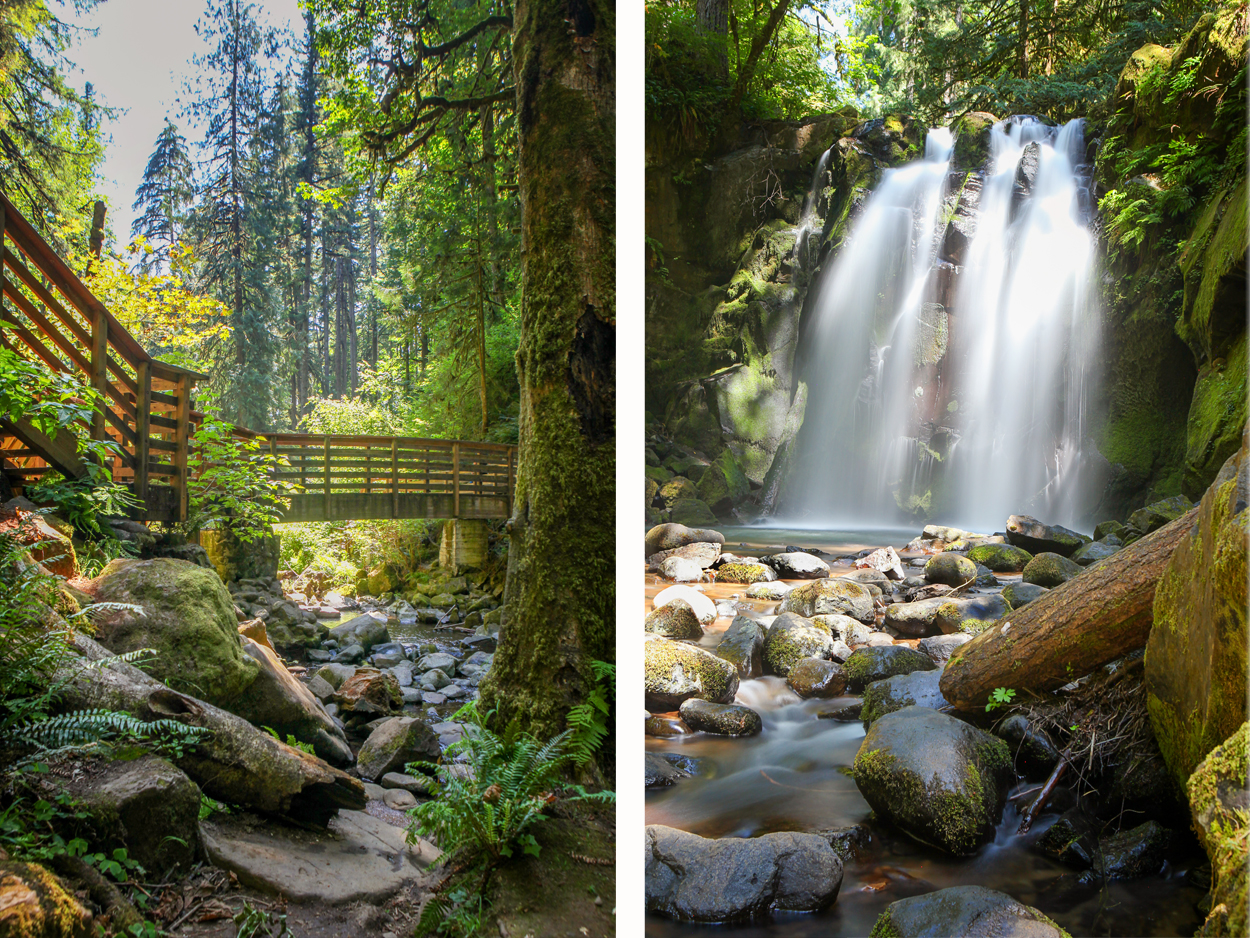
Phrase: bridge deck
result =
(49, 315)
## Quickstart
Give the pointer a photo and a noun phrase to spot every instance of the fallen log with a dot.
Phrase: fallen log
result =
(1093, 618)
(235, 762)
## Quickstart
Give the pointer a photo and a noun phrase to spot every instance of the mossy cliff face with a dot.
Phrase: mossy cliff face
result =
(1196, 655)
(1170, 171)
(1217, 799)
(729, 267)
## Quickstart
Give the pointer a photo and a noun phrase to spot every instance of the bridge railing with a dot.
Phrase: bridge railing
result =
(394, 477)
(46, 308)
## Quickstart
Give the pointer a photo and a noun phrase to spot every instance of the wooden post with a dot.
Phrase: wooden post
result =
(455, 478)
(368, 479)
(143, 410)
(327, 485)
(508, 483)
(182, 439)
(394, 478)
(99, 370)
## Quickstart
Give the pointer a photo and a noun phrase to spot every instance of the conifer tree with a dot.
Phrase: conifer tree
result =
(164, 197)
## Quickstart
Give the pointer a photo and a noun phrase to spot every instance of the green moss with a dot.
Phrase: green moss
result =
(1217, 417)
(1222, 826)
(742, 572)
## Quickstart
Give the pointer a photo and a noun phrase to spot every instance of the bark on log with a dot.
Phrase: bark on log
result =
(1094, 618)
(236, 762)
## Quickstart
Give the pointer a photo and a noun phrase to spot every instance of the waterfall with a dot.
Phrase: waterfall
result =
(952, 338)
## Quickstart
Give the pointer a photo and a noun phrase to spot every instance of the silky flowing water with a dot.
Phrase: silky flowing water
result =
(794, 776)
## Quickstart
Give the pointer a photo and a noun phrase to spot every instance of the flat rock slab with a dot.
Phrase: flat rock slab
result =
(360, 858)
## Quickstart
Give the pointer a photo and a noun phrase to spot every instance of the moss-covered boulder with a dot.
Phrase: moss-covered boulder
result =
(369, 629)
(1156, 515)
(35, 904)
(704, 553)
(675, 671)
(951, 569)
(674, 620)
(1050, 570)
(791, 638)
(774, 591)
(720, 719)
(745, 572)
(945, 615)
(672, 536)
(844, 629)
(831, 595)
(394, 744)
(723, 484)
(704, 608)
(816, 677)
(1001, 558)
(1196, 654)
(1095, 551)
(967, 911)
(657, 474)
(940, 780)
(653, 489)
(972, 139)
(675, 488)
(1218, 803)
(1018, 595)
(878, 662)
(1217, 414)
(742, 645)
(691, 511)
(917, 689)
(1035, 536)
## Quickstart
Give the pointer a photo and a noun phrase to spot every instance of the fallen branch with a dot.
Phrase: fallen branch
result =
(1039, 802)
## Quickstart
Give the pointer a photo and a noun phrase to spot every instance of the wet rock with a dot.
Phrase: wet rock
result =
(659, 772)
(797, 565)
(675, 672)
(844, 628)
(671, 536)
(697, 879)
(870, 664)
(720, 719)
(932, 616)
(1050, 570)
(940, 647)
(674, 620)
(950, 569)
(394, 744)
(966, 911)
(1000, 558)
(745, 573)
(681, 570)
(365, 630)
(703, 607)
(774, 591)
(1156, 515)
(873, 579)
(1033, 754)
(848, 714)
(1133, 853)
(840, 651)
(663, 727)
(815, 677)
(1107, 528)
(1072, 840)
(938, 779)
(884, 561)
(836, 595)
(436, 660)
(1018, 595)
(792, 637)
(1035, 537)
(704, 553)
(1093, 552)
(972, 140)
(1219, 802)
(692, 511)
(369, 693)
(742, 645)
(918, 689)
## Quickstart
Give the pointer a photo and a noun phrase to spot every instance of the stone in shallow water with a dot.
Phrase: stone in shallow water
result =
(771, 591)
(797, 565)
(742, 645)
(698, 879)
(1050, 570)
(918, 689)
(839, 595)
(791, 638)
(1018, 595)
(704, 608)
(940, 647)
(674, 620)
(950, 569)
(675, 671)
(870, 664)
(966, 911)
(1035, 537)
(815, 677)
(720, 719)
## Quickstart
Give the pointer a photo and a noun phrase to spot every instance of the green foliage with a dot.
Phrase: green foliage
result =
(290, 741)
(209, 807)
(82, 502)
(1000, 697)
(232, 481)
(251, 922)
(513, 779)
(332, 554)
(457, 913)
(589, 721)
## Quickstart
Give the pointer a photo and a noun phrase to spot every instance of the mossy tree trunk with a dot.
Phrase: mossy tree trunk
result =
(560, 593)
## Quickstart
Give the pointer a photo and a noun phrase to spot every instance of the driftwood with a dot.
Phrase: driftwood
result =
(1093, 618)
(235, 762)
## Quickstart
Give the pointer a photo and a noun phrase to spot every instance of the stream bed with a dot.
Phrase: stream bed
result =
(795, 776)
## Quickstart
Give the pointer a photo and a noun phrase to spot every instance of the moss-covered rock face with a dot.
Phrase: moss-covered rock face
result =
(938, 779)
(188, 617)
(830, 596)
(1001, 558)
(918, 689)
(972, 140)
(950, 569)
(674, 620)
(723, 485)
(1050, 570)
(968, 911)
(675, 488)
(1157, 514)
(691, 511)
(1196, 654)
(675, 672)
(35, 904)
(878, 662)
(1217, 415)
(791, 638)
(1218, 802)
(745, 573)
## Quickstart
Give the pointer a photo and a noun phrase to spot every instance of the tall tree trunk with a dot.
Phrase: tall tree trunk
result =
(713, 17)
(481, 336)
(491, 189)
(1024, 39)
(561, 608)
(353, 350)
(308, 120)
(747, 72)
(236, 215)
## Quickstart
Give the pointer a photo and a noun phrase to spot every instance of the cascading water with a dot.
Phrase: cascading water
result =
(948, 358)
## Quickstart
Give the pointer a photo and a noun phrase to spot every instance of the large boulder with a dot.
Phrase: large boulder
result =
(720, 719)
(1034, 536)
(940, 780)
(697, 600)
(188, 618)
(365, 630)
(917, 689)
(791, 638)
(951, 569)
(394, 744)
(675, 672)
(671, 536)
(697, 879)
(745, 572)
(1219, 803)
(878, 662)
(1196, 653)
(1050, 570)
(816, 677)
(681, 570)
(945, 615)
(966, 911)
(1000, 558)
(831, 595)
(742, 645)
(704, 553)
(675, 488)
(723, 484)
(367, 695)
(797, 565)
(1156, 515)
(1019, 595)
(674, 620)
(693, 511)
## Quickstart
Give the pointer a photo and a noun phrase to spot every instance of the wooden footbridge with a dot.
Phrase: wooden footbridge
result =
(48, 315)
